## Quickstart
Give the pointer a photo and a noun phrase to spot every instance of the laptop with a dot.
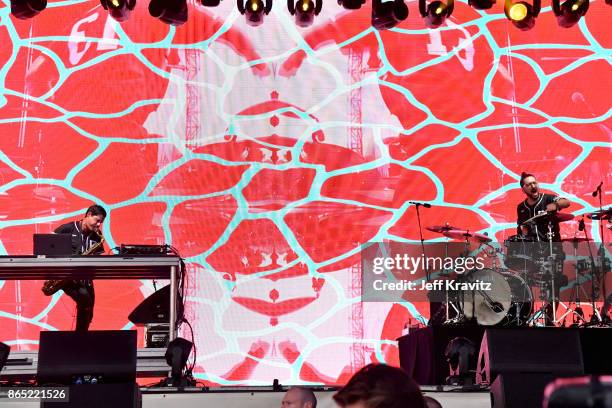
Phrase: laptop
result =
(53, 244)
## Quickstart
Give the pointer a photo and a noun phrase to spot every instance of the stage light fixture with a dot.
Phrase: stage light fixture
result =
(176, 356)
(119, 9)
(522, 14)
(388, 14)
(24, 9)
(173, 12)
(304, 11)
(351, 4)
(481, 4)
(460, 354)
(255, 10)
(570, 12)
(435, 12)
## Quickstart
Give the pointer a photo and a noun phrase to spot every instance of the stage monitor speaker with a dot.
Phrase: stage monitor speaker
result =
(596, 350)
(5, 349)
(530, 350)
(105, 356)
(519, 390)
(155, 308)
(125, 395)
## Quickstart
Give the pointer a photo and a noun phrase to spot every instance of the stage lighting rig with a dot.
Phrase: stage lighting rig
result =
(522, 14)
(173, 12)
(304, 11)
(351, 4)
(388, 14)
(254, 10)
(570, 12)
(119, 9)
(435, 12)
(481, 4)
(24, 9)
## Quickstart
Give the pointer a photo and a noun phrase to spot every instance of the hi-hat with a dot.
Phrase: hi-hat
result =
(558, 216)
(601, 215)
(464, 235)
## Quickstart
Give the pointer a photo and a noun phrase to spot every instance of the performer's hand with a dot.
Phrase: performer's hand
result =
(524, 230)
(551, 207)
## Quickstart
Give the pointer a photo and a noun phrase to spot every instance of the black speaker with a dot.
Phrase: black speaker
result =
(4, 353)
(530, 350)
(155, 308)
(100, 396)
(596, 350)
(104, 356)
(519, 390)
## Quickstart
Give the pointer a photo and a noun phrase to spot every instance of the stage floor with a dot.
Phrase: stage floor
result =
(250, 397)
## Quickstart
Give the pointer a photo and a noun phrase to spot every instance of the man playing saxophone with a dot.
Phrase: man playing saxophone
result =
(86, 240)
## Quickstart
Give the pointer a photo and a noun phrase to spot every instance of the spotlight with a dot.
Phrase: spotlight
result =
(481, 4)
(4, 353)
(388, 14)
(254, 10)
(435, 12)
(173, 12)
(522, 14)
(570, 12)
(24, 9)
(351, 4)
(177, 354)
(119, 9)
(304, 11)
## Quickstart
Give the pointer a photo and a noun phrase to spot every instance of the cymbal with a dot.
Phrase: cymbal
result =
(464, 235)
(576, 239)
(440, 228)
(559, 217)
(601, 215)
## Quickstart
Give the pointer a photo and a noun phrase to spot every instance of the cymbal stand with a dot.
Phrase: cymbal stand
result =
(575, 297)
(544, 288)
(595, 317)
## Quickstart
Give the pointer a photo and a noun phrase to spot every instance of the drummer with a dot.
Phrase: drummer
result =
(535, 203)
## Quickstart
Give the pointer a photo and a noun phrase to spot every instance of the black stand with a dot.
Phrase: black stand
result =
(605, 319)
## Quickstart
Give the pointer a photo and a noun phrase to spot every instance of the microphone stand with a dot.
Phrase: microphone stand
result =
(594, 316)
(605, 319)
(427, 275)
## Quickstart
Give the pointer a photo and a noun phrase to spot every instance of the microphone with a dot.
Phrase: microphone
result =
(426, 205)
(597, 190)
(581, 225)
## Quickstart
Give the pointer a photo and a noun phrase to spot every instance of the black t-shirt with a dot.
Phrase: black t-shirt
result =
(80, 242)
(524, 211)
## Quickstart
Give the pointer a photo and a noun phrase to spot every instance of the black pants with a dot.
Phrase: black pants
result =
(82, 292)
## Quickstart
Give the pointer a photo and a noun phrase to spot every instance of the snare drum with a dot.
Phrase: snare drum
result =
(509, 302)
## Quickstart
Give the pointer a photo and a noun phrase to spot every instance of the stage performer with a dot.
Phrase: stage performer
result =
(535, 203)
(86, 239)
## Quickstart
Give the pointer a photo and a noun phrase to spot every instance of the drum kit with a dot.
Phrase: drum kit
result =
(517, 274)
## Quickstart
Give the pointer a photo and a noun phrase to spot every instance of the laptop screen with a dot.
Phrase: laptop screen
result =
(52, 244)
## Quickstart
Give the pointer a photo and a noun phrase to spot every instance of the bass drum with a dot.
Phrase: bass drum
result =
(507, 302)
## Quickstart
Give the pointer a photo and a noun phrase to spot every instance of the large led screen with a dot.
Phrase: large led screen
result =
(268, 155)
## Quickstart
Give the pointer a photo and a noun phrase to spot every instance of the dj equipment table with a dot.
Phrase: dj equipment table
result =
(96, 267)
